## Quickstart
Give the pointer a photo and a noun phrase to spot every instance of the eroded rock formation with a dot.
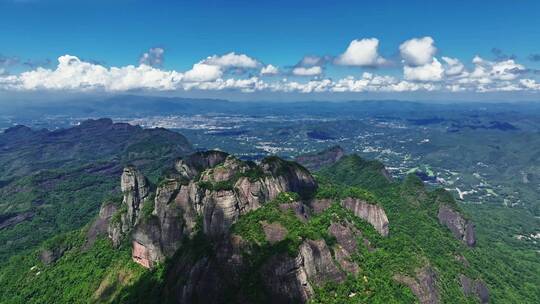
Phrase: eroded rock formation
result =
(474, 288)
(211, 189)
(371, 213)
(135, 189)
(290, 279)
(462, 229)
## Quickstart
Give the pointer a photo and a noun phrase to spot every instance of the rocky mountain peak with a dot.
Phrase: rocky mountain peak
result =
(192, 165)
(212, 187)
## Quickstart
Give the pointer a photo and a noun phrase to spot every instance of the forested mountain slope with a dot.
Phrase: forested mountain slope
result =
(54, 181)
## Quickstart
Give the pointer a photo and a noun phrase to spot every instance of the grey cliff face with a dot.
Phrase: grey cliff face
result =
(346, 235)
(320, 205)
(286, 279)
(135, 188)
(290, 279)
(318, 262)
(192, 165)
(147, 250)
(274, 232)
(49, 256)
(474, 288)
(461, 228)
(101, 224)
(284, 176)
(373, 214)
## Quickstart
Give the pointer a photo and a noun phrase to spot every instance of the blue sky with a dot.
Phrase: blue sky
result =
(183, 33)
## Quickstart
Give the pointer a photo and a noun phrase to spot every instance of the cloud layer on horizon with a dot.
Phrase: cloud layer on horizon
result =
(422, 70)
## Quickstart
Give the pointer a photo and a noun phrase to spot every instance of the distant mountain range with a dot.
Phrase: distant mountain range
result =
(134, 105)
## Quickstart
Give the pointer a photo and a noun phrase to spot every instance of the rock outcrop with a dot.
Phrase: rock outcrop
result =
(346, 246)
(299, 209)
(286, 280)
(423, 285)
(147, 247)
(101, 225)
(290, 279)
(191, 166)
(318, 262)
(474, 288)
(371, 213)
(320, 205)
(135, 189)
(315, 161)
(49, 256)
(461, 228)
(212, 189)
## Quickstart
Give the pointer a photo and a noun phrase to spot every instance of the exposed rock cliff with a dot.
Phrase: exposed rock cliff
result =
(135, 189)
(49, 256)
(101, 225)
(208, 188)
(290, 279)
(373, 214)
(286, 279)
(474, 288)
(192, 165)
(461, 228)
(208, 192)
(346, 246)
(318, 262)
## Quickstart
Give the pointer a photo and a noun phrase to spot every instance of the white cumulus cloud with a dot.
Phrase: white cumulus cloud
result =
(269, 70)
(312, 71)
(453, 67)
(418, 51)
(428, 72)
(232, 60)
(74, 74)
(362, 52)
(214, 73)
(203, 72)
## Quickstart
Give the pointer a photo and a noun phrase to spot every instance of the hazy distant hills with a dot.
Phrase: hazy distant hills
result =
(134, 105)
